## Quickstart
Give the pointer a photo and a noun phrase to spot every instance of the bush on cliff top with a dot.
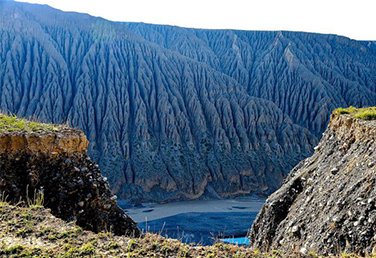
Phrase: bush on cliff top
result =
(368, 113)
(13, 123)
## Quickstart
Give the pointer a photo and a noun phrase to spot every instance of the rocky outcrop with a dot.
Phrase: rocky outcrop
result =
(174, 113)
(65, 141)
(53, 169)
(327, 204)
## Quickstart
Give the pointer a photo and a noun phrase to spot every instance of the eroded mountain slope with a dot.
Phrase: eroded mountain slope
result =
(306, 75)
(162, 126)
(175, 113)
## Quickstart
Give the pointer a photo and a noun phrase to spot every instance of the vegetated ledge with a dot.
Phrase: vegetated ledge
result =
(34, 232)
(327, 205)
(22, 136)
(368, 113)
(48, 164)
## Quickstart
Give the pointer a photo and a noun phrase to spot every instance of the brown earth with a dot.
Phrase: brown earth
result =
(52, 168)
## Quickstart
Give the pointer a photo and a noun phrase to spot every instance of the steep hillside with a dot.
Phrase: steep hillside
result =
(174, 113)
(306, 75)
(44, 164)
(327, 204)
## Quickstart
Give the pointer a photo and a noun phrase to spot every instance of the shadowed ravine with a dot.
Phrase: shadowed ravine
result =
(174, 113)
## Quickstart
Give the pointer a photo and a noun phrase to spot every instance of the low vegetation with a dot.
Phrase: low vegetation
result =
(13, 123)
(34, 232)
(368, 113)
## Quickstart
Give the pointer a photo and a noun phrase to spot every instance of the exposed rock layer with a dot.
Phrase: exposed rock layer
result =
(66, 141)
(174, 113)
(328, 203)
(72, 185)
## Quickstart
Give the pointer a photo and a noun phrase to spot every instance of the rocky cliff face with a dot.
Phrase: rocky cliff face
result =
(328, 203)
(53, 168)
(175, 113)
(306, 75)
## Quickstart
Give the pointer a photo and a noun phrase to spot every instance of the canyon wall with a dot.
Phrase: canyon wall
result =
(327, 204)
(174, 113)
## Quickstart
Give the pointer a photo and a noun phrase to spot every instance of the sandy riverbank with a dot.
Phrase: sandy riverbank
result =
(151, 212)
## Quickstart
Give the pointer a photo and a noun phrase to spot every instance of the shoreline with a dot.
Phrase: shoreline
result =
(152, 211)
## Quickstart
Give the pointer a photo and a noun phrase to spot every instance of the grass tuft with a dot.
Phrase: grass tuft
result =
(37, 201)
(14, 124)
(3, 199)
(368, 113)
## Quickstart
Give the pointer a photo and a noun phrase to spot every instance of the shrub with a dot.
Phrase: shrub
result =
(368, 113)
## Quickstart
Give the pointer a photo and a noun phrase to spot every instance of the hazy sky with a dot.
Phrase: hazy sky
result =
(355, 19)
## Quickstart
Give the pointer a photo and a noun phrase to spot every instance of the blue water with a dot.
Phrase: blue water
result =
(203, 228)
(236, 240)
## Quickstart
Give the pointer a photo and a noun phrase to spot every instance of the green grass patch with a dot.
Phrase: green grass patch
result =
(368, 113)
(87, 249)
(13, 123)
(12, 250)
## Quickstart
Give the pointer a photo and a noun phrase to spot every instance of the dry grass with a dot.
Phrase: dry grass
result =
(34, 232)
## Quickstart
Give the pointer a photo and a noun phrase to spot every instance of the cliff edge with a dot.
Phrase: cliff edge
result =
(327, 205)
(47, 164)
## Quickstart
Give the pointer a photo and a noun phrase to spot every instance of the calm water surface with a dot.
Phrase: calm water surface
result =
(200, 222)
